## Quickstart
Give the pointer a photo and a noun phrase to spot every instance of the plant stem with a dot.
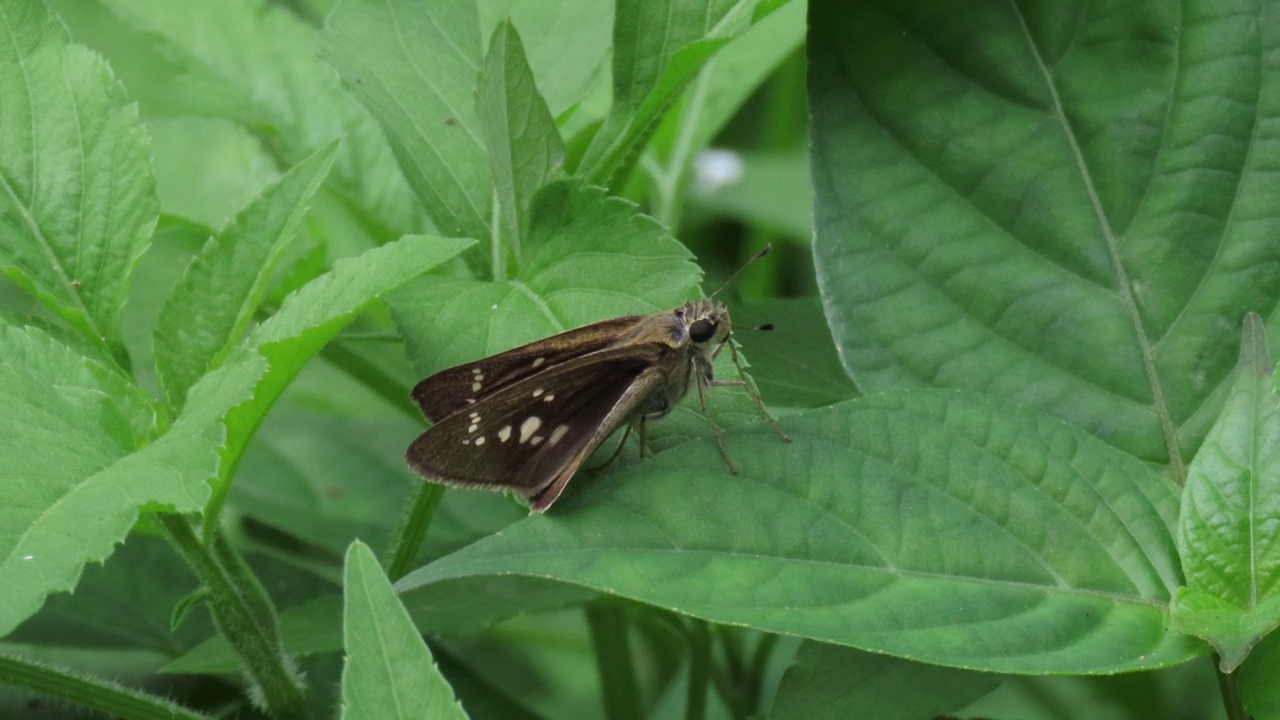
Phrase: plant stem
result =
(699, 670)
(245, 624)
(106, 697)
(413, 530)
(753, 683)
(1228, 685)
(608, 626)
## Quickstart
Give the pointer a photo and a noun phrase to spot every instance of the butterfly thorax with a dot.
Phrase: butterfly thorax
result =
(689, 336)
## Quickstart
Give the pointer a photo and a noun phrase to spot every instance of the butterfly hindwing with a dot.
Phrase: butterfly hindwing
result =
(450, 390)
(532, 435)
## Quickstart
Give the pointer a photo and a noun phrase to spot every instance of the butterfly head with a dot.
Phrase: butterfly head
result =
(706, 323)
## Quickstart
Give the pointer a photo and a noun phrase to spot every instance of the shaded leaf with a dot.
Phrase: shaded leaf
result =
(829, 681)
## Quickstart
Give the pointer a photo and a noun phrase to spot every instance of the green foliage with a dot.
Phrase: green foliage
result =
(234, 234)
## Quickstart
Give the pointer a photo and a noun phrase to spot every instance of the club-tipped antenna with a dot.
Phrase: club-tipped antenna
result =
(759, 254)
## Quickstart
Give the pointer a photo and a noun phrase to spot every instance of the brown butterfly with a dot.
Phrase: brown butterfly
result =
(524, 420)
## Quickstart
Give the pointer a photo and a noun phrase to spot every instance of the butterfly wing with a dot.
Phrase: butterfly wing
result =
(532, 436)
(450, 390)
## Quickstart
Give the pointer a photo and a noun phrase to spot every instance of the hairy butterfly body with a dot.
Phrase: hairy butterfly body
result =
(525, 420)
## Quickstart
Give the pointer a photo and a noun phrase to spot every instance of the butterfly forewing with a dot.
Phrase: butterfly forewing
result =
(532, 436)
(451, 390)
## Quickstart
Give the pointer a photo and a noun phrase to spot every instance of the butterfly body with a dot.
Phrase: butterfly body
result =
(524, 420)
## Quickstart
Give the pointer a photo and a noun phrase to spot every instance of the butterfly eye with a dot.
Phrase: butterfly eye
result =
(702, 330)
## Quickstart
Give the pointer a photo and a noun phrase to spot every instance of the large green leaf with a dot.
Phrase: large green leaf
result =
(77, 199)
(1230, 511)
(389, 673)
(863, 532)
(589, 258)
(1067, 205)
(414, 66)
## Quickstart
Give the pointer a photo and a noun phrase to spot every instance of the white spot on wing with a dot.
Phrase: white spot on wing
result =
(505, 433)
(529, 427)
(557, 434)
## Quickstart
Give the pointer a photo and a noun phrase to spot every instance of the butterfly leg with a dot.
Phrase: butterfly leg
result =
(715, 429)
(743, 383)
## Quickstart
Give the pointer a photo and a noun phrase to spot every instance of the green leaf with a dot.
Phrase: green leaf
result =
(590, 257)
(525, 150)
(74, 499)
(657, 48)
(389, 672)
(78, 200)
(828, 681)
(311, 317)
(255, 64)
(1000, 208)
(861, 532)
(212, 305)
(1226, 529)
(414, 69)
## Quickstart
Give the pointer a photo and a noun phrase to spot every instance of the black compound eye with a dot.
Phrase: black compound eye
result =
(702, 330)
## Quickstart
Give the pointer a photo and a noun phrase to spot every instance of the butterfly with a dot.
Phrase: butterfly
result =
(524, 420)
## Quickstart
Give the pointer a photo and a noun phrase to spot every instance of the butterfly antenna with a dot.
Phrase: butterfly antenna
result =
(759, 254)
